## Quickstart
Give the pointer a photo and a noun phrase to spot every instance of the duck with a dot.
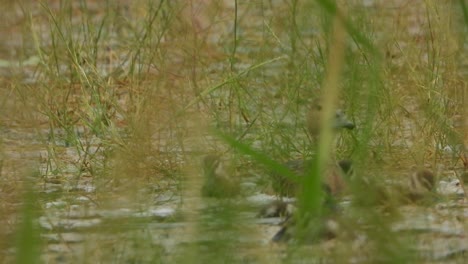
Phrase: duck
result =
(218, 178)
(421, 187)
(333, 185)
(333, 180)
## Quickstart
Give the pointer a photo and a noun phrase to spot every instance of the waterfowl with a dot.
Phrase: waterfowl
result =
(333, 180)
(218, 180)
(422, 184)
(314, 122)
(333, 185)
(278, 208)
(322, 229)
(420, 187)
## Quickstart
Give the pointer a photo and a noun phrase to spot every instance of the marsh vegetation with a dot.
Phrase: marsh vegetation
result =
(108, 110)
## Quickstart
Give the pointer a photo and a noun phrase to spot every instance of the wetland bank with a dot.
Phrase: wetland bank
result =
(109, 108)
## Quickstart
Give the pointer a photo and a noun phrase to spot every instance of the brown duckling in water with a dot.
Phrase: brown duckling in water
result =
(218, 180)
(421, 187)
(422, 184)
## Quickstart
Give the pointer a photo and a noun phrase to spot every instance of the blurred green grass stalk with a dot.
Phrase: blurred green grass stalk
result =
(28, 243)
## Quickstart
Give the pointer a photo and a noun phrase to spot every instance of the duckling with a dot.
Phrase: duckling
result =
(218, 181)
(422, 185)
(420, 188)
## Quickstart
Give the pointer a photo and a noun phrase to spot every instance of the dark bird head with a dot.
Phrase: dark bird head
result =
(314, 117)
